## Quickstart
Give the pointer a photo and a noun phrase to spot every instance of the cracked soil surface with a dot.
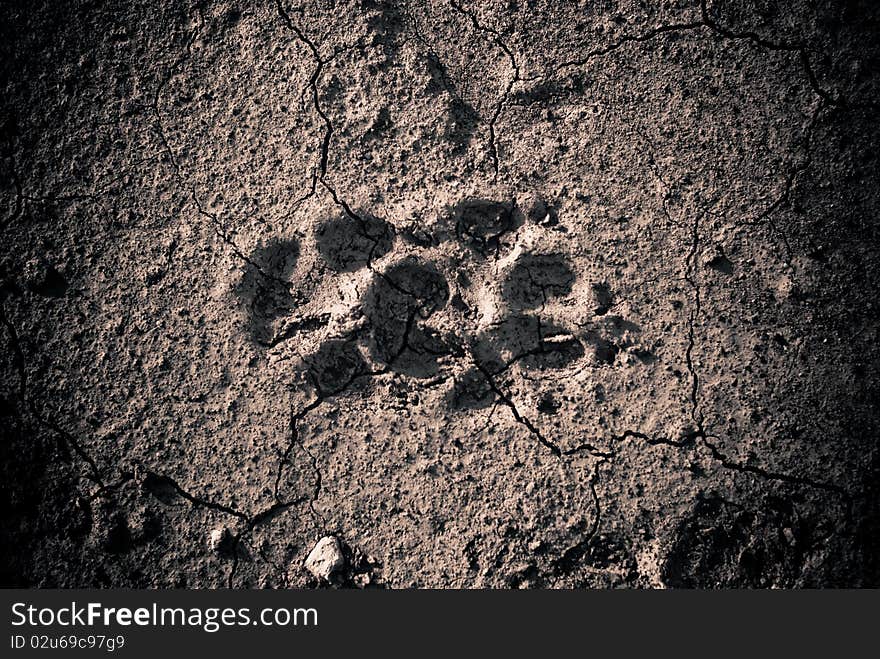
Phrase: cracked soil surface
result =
(500, 293)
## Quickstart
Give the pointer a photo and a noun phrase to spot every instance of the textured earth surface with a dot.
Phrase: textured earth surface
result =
(495, 294)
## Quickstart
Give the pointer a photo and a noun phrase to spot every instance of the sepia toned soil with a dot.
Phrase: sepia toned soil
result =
(497, 294)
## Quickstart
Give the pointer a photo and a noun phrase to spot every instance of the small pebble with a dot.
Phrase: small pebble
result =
(325, 559)
(218, 539)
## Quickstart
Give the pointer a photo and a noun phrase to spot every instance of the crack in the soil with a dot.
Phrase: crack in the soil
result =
(321, 172)
(43, 419)
(728, 463)
(798, 48)
(319, 62)
(156, 480)
(321, 396)
(700, 432)
(635, 434)
(701, 437)
(190, 189)
(551, 445)
(640, 38)
(690, 276)
(784, 198)
(499, 106)
(569, 558)
(101, 186)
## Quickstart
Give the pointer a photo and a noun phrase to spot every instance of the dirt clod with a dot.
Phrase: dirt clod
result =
(326, 559)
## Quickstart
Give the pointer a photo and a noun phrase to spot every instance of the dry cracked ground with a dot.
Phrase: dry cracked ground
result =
(496, 294)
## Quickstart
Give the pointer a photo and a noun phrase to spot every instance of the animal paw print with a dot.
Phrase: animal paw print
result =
(463, 301)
